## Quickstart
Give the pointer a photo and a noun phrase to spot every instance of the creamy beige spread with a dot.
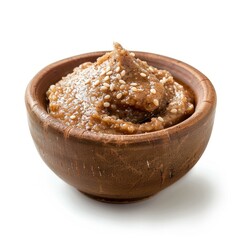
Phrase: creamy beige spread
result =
(119, 94)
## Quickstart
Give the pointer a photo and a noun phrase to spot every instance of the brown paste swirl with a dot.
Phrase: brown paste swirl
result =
(119, 94)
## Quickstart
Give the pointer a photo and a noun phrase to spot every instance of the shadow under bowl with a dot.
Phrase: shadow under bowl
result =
(120, 168)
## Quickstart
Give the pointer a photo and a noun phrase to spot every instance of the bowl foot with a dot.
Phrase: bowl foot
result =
(114, 200)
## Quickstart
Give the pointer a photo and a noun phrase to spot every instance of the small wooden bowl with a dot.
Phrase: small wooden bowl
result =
(120, 168)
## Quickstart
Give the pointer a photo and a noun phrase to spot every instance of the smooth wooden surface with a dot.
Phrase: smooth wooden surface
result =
(121, 168)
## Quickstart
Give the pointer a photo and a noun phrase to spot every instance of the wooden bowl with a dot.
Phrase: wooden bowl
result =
(120, 168)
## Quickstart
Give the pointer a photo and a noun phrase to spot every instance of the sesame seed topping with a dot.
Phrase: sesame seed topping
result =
(107, 97)
(160, 119)
(151, 69)
(122, 87)
(190, 107)
(119, 95)
(103, 88)
(130, 128)
(73, 117)
(52, 87)
(106, 104)
(106, 78)
(112, 86)
(163, 80)
(118, 76)
(134, 89)
(117, 69)
(133, 84)
(96, 83)
(87, 81)
(102, 73)
(108, 69)
(106, 85)
(123, 72)
(122, 81)
(132, 54)
(156, 102)
(174, 110)
(153, 91)
(143, 74)
(109, 73)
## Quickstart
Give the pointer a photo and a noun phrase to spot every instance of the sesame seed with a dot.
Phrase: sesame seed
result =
(190, 107)
(54, 97)
(87, 81)
(96, 83)
(134, 89)
(78, 96)
(163, 80)
(109, 73)
(106, 118)
(106, 104)
(122, 87)
(153, 91)
(118, 76)
(73, 117)
(132, 54)
(103, 88)
(122, 81)
(102, 73)
(156, 102)
(108, 69)
(174, 110)
(143, 74)
(106, 78)
(160, 119)
(106, 85)
(119, 95)
(123, 72)
(151, 69)
(112, 86)
(107, 97)
(52, 87)
(131, 129)
(133, 84)
(117, 69)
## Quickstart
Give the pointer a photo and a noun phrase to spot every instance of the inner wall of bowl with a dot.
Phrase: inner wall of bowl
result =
(55, 72)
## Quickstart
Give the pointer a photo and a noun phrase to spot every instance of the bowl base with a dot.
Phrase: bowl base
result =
(114, 200)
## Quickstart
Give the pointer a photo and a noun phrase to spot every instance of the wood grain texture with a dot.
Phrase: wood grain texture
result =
(121, 168)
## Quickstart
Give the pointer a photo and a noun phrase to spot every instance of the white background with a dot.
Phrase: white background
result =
(34, 203)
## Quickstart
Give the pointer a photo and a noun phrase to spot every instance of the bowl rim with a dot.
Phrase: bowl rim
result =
(204, 108)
